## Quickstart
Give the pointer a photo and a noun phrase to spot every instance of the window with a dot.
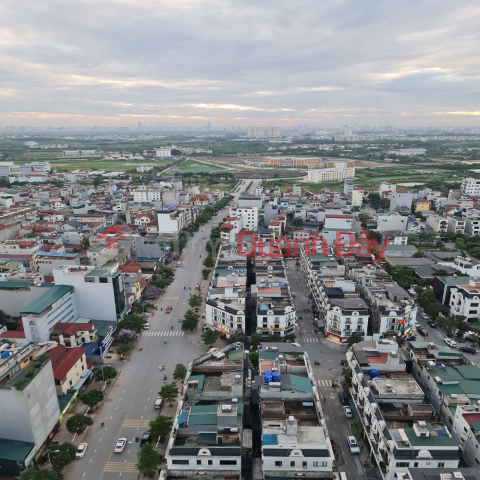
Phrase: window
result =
(441, 464)
(319, 464)
(415, 465)
(304, 464)
(228, 462)
(210, 462)
(199, 462)
(403, 464)
(278, 463)
(180, 462)
(292, 464)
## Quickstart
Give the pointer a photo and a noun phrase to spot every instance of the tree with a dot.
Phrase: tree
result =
(206, 273)
(33, 474)
(256, 338)
(160, 427)
(452, 324)
(166, 272)
(253, 357)
(209, 337)
(169, 392)
(78, 423)
(190, 320)
(179, 372)
(65, 456)
(297, 222)
(127, 336)
(353, 339)
(123, 349)
(105, 373)
(148, 461)
(209, 262)
(195, 301)
(92, 398)
(133, 322)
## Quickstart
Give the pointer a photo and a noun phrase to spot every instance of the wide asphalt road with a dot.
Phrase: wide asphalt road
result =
(130, 405)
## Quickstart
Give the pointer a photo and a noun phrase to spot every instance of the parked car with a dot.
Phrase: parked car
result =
(421, 331)
(295, 344)
(424, 315)
(82, 448)
(353, 445)
(146, 326)
(416, 324)
(169, 309)
(348, 412)
(432, 324)
(450, 342)
(467, 350)
(145, 439)
(343, 399)
(120, 445)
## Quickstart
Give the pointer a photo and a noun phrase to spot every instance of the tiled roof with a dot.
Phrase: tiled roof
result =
(66, 361)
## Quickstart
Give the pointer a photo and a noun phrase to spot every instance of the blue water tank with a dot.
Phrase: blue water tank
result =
(5, 355)
(267, 378)
(275, 377)
(373, 373)
(267, 372)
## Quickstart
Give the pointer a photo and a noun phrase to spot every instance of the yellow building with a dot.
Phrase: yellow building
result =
(422, 205)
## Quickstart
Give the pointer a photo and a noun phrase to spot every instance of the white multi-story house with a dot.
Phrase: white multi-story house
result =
(249, 216)
(455, 224)
(466, 431)
(472, 222)
(147, 195)
(465, 301)
(170, 220)
(357, 197)
(401, 199)
(470, 187)
(387, 187)
(391, 221)
(346, 317)
(209, 437)
(57, 304)
(100, 294)
(226, 303)
(275, 306)
(293, 444)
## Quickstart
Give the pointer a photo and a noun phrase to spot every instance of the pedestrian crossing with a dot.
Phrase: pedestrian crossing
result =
(310, 340)
(135, 423)
(324, 383)
(120, 467)
(171, 333)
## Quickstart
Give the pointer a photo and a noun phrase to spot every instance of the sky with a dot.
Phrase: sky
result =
(243, 62)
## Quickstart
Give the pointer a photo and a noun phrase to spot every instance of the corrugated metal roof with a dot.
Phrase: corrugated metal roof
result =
(205, 419)
(48, 298)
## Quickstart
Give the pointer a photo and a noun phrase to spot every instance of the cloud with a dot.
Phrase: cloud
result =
(267, 62)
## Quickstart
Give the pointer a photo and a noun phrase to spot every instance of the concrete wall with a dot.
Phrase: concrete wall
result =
(30, 415)
(13, 301)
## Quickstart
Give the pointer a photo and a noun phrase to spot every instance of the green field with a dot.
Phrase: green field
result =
(191, 166)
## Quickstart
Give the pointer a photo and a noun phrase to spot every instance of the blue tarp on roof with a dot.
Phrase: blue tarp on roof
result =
(182, 418)
(270, 439)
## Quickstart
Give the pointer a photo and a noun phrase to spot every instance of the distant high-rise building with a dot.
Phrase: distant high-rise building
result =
(263, 131)
(139, 125)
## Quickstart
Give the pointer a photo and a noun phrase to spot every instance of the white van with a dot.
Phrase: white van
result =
(159, 403)
(179, 264)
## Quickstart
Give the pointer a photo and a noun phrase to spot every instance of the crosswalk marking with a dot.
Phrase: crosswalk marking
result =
(133, 423)
(324, 383)
(310, 339)
(121, 467)
(164, 334)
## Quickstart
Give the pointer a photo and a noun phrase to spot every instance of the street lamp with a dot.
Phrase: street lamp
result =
(48, 456)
